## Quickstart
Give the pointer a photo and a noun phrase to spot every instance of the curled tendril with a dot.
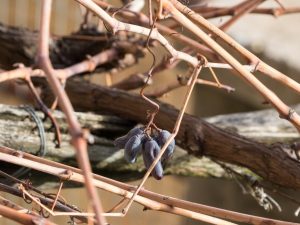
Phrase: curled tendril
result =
(44, 213)
(263, 199)
(250, 185)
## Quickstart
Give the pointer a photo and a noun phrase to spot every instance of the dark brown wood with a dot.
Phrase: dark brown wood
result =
(19, 45)
(196, 136)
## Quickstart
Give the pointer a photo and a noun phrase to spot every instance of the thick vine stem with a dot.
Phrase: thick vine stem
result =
(195, 135)
(223, 37)
(284, 111)
(78, 140)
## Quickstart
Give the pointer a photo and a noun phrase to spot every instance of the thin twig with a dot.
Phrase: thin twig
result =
(245, 7)
(213, 12)
(172, 136)
(149, 199)
(78, 140)
(284, 111)
(155, 35)
(254, 60)
(143, 20)
(44, 198)
(52, 213)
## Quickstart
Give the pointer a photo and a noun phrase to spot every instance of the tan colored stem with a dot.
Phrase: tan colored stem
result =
(23, 218)
(117, 26)
(246, 7)
(147, 198)
(78, 139)
(284, 111)
(221, 36)
(172, 136)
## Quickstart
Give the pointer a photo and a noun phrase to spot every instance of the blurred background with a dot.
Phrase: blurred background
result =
(275, 40)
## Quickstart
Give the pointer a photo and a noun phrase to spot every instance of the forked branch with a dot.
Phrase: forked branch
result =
(78, 139)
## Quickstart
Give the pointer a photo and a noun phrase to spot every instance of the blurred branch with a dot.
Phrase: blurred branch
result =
(23, 218)
(181, 14)
(212, 12)
(240, 10)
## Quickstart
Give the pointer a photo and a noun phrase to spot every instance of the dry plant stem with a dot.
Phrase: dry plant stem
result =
(84, 66)
(45, 199)
(150, 13)
(214, 76)
(250, 68)
(149, 74)
(16, 180)
(201, 217)
(52, 213)
(144, 20)
(149, 199)
(172, 136)
(222, 36)
(22, 72)
(172, 86)
(14, 206)
(57, 195)
(213, 84)
(78, 140)
(246, 7)
(10, 204)
(284, 111)
(89, 64)
(150, 204)
(7, 203)
(277, 11)
(213, 12)
(120, 26)
(23, 218)
(118, 205)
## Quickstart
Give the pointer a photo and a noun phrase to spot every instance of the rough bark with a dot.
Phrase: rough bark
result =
(15, 124)
(263, 126)
(196, 136)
